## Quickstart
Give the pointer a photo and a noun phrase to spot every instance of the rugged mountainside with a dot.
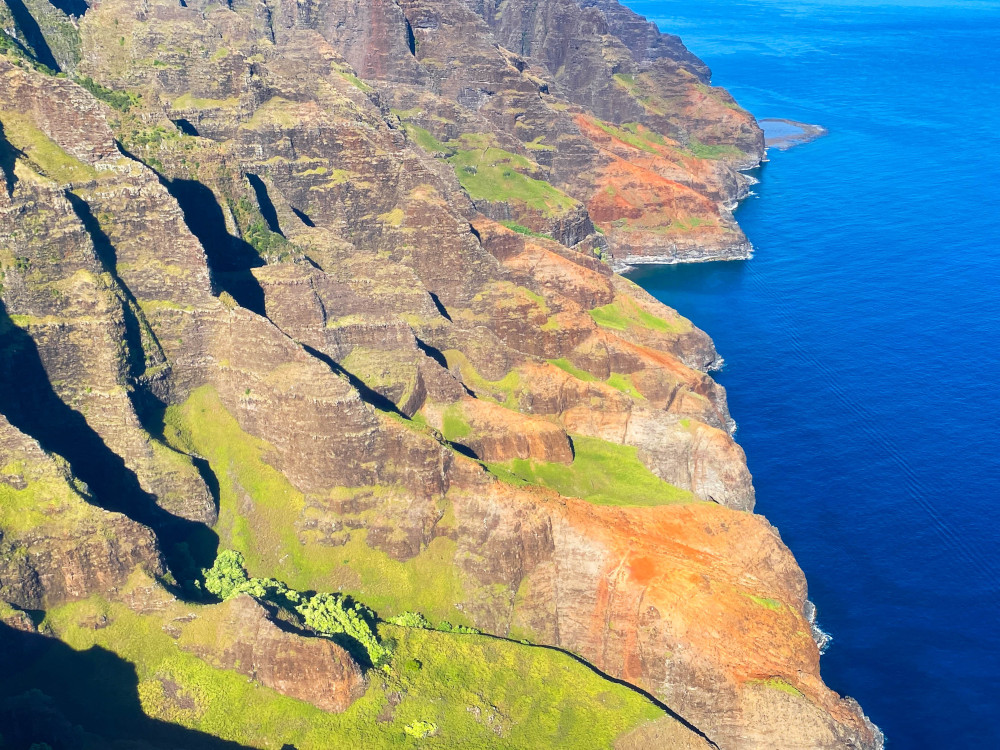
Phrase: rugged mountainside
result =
(330, 284)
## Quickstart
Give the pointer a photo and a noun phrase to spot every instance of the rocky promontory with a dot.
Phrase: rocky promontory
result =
(323, 414)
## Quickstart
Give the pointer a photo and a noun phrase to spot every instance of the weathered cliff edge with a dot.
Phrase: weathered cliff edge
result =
(329, 283)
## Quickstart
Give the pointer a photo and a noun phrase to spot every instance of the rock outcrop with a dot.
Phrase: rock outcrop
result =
(334, 282)
(246, 639)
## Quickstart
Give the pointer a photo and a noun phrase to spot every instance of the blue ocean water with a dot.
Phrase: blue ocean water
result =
(862, 341)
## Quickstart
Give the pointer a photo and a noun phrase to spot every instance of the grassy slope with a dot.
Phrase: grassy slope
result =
(490, 173)
(602, 473)
(267, 536)
(478, 691)
(625, 313)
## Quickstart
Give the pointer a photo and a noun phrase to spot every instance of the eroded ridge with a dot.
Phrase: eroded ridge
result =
(328, 288)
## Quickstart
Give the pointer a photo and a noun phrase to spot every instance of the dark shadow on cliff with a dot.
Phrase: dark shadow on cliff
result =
(52, 694)
(303, 217)
(628, 685)
(33, 34)
(440, 306)
(368, 395)
(186, 127)
(71, 7)
(376, 399)
(230, 259)
(264, 202)
(108, 256)
(433, 352)
(8, 158)
(30, 403)
(648, 696)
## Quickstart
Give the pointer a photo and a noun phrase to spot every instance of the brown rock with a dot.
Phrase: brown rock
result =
(245, 638)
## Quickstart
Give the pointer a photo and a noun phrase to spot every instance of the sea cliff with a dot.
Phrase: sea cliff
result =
(331, 285)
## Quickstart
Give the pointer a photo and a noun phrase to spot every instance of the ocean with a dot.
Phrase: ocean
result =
(862, 341)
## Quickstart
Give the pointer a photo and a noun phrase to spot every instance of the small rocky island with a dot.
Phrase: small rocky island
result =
(784, 134)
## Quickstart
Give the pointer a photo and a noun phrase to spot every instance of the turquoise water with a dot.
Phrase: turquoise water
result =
(861, 341)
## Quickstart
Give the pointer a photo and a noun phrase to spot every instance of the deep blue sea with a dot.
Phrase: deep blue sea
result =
(862, 341)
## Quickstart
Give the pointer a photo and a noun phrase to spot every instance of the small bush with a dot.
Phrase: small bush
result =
(228, 576)
(119, 100)
(420, 729)
(447, 627)
(411, 620)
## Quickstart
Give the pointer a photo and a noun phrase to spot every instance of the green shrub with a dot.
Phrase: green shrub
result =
(420, 729)
(332, 614)
(411, 620)
(447, 627)
(120, 100)
(228, 576)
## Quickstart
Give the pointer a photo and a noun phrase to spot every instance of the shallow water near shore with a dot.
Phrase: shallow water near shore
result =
(861, 342)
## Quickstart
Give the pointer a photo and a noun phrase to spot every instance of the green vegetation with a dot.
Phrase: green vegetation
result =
(260, 514)
(635, 135)
(411, 620)
(764, 601)
(465, 686)
(566, 366)
(777, 683)
(393, 218)
(602, 473)
(496, 175)
(705, 151)
(425, 139)
(624, 384)
(420, 729)
(265, 534)
(616, 380)
(689, 223)
(189, 101)
(269, 245)
(503, 391)
(47, 498)
(7, 44)
(446, 627)
(21, 57)
(493, 174)
(625, 313)
(513, 225)
(356, 82)
(42, 151)
(120, 100)
(454, 425)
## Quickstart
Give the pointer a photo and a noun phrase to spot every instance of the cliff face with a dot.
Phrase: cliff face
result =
(331, 284)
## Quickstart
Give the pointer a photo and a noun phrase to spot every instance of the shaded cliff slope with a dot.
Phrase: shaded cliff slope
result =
(330, 285)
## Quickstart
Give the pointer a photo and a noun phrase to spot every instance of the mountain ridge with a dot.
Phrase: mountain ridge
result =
(329, 284)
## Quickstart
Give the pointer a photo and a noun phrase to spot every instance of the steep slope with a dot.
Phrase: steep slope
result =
(329, 284)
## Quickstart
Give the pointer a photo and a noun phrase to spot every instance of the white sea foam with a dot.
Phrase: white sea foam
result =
(822, 638)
